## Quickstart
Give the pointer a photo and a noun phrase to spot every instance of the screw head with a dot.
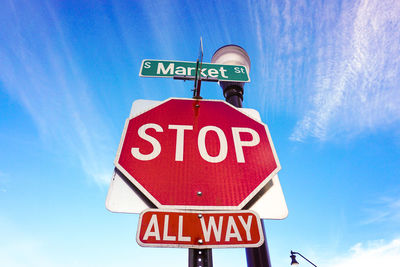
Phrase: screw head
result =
(200, 241)
(199, 193)
(200, 216)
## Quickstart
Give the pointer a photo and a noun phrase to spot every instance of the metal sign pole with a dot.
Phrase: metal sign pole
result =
(256, 257)
(200, 258)
(233, 93)
(259, 257)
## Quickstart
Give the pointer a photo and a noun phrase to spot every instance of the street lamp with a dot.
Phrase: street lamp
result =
(294, 261)
(232, 55)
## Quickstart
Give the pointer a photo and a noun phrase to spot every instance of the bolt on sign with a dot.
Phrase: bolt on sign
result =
(196, 229)
(167, 68)
(197, 154)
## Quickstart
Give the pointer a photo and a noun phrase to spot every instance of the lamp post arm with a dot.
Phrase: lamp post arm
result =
(294, 252)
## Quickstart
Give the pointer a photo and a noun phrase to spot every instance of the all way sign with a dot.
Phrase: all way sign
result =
(167, 68)
(199, 229)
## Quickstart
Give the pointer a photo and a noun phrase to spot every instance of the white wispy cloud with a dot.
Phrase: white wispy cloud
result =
(357, 73)
(369, 254)
(383, 210)
(284, 34)
(334, 65)
(39, 69)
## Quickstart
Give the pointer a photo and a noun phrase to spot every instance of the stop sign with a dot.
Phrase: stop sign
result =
(197, 154)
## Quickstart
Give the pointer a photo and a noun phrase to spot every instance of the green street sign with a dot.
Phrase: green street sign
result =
(168, 68)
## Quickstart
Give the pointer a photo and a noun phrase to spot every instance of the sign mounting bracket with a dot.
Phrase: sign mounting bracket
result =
(197, 78)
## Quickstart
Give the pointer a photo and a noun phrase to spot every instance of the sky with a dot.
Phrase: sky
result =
(325, 77)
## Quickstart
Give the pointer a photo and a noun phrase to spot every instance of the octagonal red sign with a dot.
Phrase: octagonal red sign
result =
(197, 154)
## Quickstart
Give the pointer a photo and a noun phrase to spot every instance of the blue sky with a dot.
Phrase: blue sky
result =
(325, 78)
